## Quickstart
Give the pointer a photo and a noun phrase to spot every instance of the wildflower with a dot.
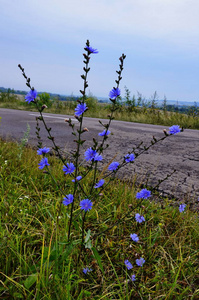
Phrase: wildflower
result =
(69, 168)
(139, 218)
(143, 194)
(113, 166)
(91, 50)
(78, 178)
(129, 157)
(30, 97)
(43, 163)
(80, 109)
(134, 237)
(86, 204)
(98, 157)
(182, 207)
(128, 264)
(68, 199)
(114, 93)
(91, 154)
(43, 151)
(174, 129)
(133, 278)
(86, 270)
(99, 184)
(104, 132)
(140, 261)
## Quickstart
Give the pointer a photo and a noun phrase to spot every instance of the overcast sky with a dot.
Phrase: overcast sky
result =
(159, 37)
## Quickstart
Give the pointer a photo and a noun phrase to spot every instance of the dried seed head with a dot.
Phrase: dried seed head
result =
(85, 129)
(44, 106)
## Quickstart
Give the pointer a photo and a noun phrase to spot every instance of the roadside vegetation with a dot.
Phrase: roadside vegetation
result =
(131, 109)
(36, 262)
(70, 229)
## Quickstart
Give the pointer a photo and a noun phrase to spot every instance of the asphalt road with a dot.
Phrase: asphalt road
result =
(180, 152)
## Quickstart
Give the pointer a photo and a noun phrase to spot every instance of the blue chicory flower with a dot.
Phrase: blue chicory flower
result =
(133, 277)
(143, 194)
(43, 163)
(128, 264)
(104, 132)
(68, 199)
(86, 204)
(91, 50)
(134, 237)
(139, 218)
(78, 178)
(113, 166)
(91, 154)
(129, 157)
(99, 184)
(114, 93)
(31, 96)
(86, 270)
(174, 129)
(80, 109)
(43, 151)
(98, 157)
(69, 168)
(140, 261)
(182, 207)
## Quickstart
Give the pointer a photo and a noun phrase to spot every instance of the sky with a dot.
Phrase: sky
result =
(160, 39)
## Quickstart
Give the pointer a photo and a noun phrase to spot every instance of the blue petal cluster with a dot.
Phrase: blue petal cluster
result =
(78, 178)
(133, 277)
(80, 109)
(134, 237)
(182, 207)
(99, 184)
(139, 218)
(87, 270)
(91, 154)
(114, 93)
(86, 204)
(104, 132)
(91, 50)
(43, 163)
(129, 157)
(143, 194)
(31, 96)
(140, 261)
(69, 168)
(68, 199)
(113, 166)
(174, 129)
(43, 151)
(128, 264)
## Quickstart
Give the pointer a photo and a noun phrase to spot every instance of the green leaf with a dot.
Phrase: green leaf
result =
(88, 235)
(30, 280)
(98, 258)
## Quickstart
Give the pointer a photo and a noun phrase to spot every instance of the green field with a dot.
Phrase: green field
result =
(38, 262)
(131, 110)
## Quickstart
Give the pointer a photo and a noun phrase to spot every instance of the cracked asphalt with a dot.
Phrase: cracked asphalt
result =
(179, 152)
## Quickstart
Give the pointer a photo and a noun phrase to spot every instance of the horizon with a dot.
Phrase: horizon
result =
(48, 39)
(99, 98)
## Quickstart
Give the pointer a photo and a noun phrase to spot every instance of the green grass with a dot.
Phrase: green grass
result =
(147, 116)
(37, 262)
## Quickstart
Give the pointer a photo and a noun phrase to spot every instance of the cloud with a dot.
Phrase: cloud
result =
(160, 38)
(174, 21)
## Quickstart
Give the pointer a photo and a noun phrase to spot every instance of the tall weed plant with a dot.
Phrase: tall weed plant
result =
(87, 246)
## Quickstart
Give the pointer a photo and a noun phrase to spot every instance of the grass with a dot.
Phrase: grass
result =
(98, 110)
(37, 262)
